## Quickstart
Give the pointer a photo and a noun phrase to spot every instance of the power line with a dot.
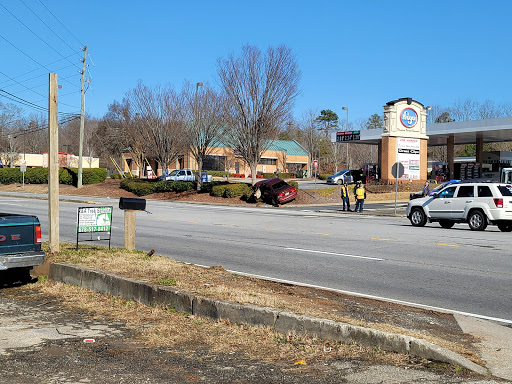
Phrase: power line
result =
(42, 21)
(15, 134)
(35, 34)
(55, 17)
(27, 103)
(37, 69)
(34, 60)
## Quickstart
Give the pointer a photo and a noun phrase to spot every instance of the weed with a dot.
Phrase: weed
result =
(165, 281)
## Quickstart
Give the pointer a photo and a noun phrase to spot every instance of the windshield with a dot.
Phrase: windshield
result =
(340, 173)
(174, 173)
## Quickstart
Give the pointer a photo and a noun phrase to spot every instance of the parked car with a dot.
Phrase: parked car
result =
(435, 190)
(346, 176)
(181, 175)
(20, 245)
(275, 191)
(475, 203)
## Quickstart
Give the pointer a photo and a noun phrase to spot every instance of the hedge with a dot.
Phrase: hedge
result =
(218, 173)
(40, 176)
(323, 176)
(282, 175)
(142, 187)
(232, 190)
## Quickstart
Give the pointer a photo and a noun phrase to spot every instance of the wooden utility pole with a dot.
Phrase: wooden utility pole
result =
(129, 229)
(82, 123)
(53, 164)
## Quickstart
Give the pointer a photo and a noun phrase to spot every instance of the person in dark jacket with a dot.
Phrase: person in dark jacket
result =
(345, 197)
(426, 189)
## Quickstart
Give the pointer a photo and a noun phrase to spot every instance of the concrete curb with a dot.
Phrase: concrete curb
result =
(283, 322)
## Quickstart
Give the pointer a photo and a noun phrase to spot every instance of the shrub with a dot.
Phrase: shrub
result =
(10, 175)
(231, 190)
(219, 173)
(294, 184)
(67, 176)
(323, 176)
(238, 175)
(139, 187)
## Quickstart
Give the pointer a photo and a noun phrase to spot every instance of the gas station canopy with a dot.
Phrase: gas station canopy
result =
(464, 132)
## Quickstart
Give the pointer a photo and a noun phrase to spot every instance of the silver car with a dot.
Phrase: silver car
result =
(181, 175)
(341, 177)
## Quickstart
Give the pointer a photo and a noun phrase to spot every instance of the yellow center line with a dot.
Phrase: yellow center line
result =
(190, 221)
(160, 218)
(271, 229)
(378, 238)
(449, 245)
(320, 233)
(227, 225)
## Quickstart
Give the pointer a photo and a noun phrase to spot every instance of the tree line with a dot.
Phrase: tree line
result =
(249, 109)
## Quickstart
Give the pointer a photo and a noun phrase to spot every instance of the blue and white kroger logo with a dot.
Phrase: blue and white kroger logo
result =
(409, 118)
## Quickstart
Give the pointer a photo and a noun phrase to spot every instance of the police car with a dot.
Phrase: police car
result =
(475, 203)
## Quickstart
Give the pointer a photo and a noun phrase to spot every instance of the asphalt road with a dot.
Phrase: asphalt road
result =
(455, 269)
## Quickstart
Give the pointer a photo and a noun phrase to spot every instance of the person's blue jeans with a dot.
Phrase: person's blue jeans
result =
(346, 201)
(359, 205)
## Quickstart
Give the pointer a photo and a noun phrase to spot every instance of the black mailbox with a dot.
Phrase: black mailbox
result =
(132, 203)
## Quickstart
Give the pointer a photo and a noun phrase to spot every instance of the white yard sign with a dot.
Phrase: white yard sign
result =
(94, 219)
(408, 153)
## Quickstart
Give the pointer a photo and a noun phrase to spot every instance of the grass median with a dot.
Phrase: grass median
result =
(164, 326)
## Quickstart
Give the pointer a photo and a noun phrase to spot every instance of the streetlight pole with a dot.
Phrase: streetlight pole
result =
(346, 129)
(199, 84)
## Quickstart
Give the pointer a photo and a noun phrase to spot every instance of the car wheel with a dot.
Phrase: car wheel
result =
(275, 202)
(477, 221)
(340, 182)
(418, 217)
(446, 223)
(505, 226)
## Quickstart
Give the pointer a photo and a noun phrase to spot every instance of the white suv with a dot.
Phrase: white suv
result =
(475, 203)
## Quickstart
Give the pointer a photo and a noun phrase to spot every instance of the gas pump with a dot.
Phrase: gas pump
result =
(371, 172)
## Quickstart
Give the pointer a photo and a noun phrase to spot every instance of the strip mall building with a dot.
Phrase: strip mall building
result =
(281, 156)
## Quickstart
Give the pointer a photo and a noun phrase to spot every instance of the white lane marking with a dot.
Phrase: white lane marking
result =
(408, 303)
(335, 254)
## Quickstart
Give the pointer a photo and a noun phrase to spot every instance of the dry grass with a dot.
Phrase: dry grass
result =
(161, 327)
(217, 283)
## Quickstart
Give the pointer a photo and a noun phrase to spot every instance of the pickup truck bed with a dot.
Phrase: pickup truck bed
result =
(20, 241)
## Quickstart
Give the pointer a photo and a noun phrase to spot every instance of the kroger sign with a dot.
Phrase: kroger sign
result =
(409, 118)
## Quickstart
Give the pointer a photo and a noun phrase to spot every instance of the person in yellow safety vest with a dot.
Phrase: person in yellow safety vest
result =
(345, 197)
(360, 196)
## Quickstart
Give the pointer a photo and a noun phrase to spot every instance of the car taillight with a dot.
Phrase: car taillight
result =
(37, 234)
(292, 190)
(498, 203)
(281, 194)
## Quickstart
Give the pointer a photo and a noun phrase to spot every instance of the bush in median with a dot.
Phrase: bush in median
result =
(232, 190)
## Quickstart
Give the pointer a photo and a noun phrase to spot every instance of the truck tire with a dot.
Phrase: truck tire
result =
(418, 217)
(477, 221)
(505, 226)
(446, 223)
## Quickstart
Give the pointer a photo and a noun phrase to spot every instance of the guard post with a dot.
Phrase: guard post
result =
(130, 205)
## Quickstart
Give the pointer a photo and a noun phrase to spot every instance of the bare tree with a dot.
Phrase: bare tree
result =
(10, 125)
(464, 110)
(203, 122)
(158, 122)
(260, 90)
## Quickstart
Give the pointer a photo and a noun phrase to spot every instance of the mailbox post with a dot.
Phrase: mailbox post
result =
(130, 206)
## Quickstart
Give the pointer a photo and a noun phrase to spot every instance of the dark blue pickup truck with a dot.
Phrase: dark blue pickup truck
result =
(20, 243)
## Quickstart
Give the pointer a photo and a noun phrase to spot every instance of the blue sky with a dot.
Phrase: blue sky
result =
(359, 54)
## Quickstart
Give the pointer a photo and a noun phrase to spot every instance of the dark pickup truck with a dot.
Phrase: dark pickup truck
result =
(20, 244)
